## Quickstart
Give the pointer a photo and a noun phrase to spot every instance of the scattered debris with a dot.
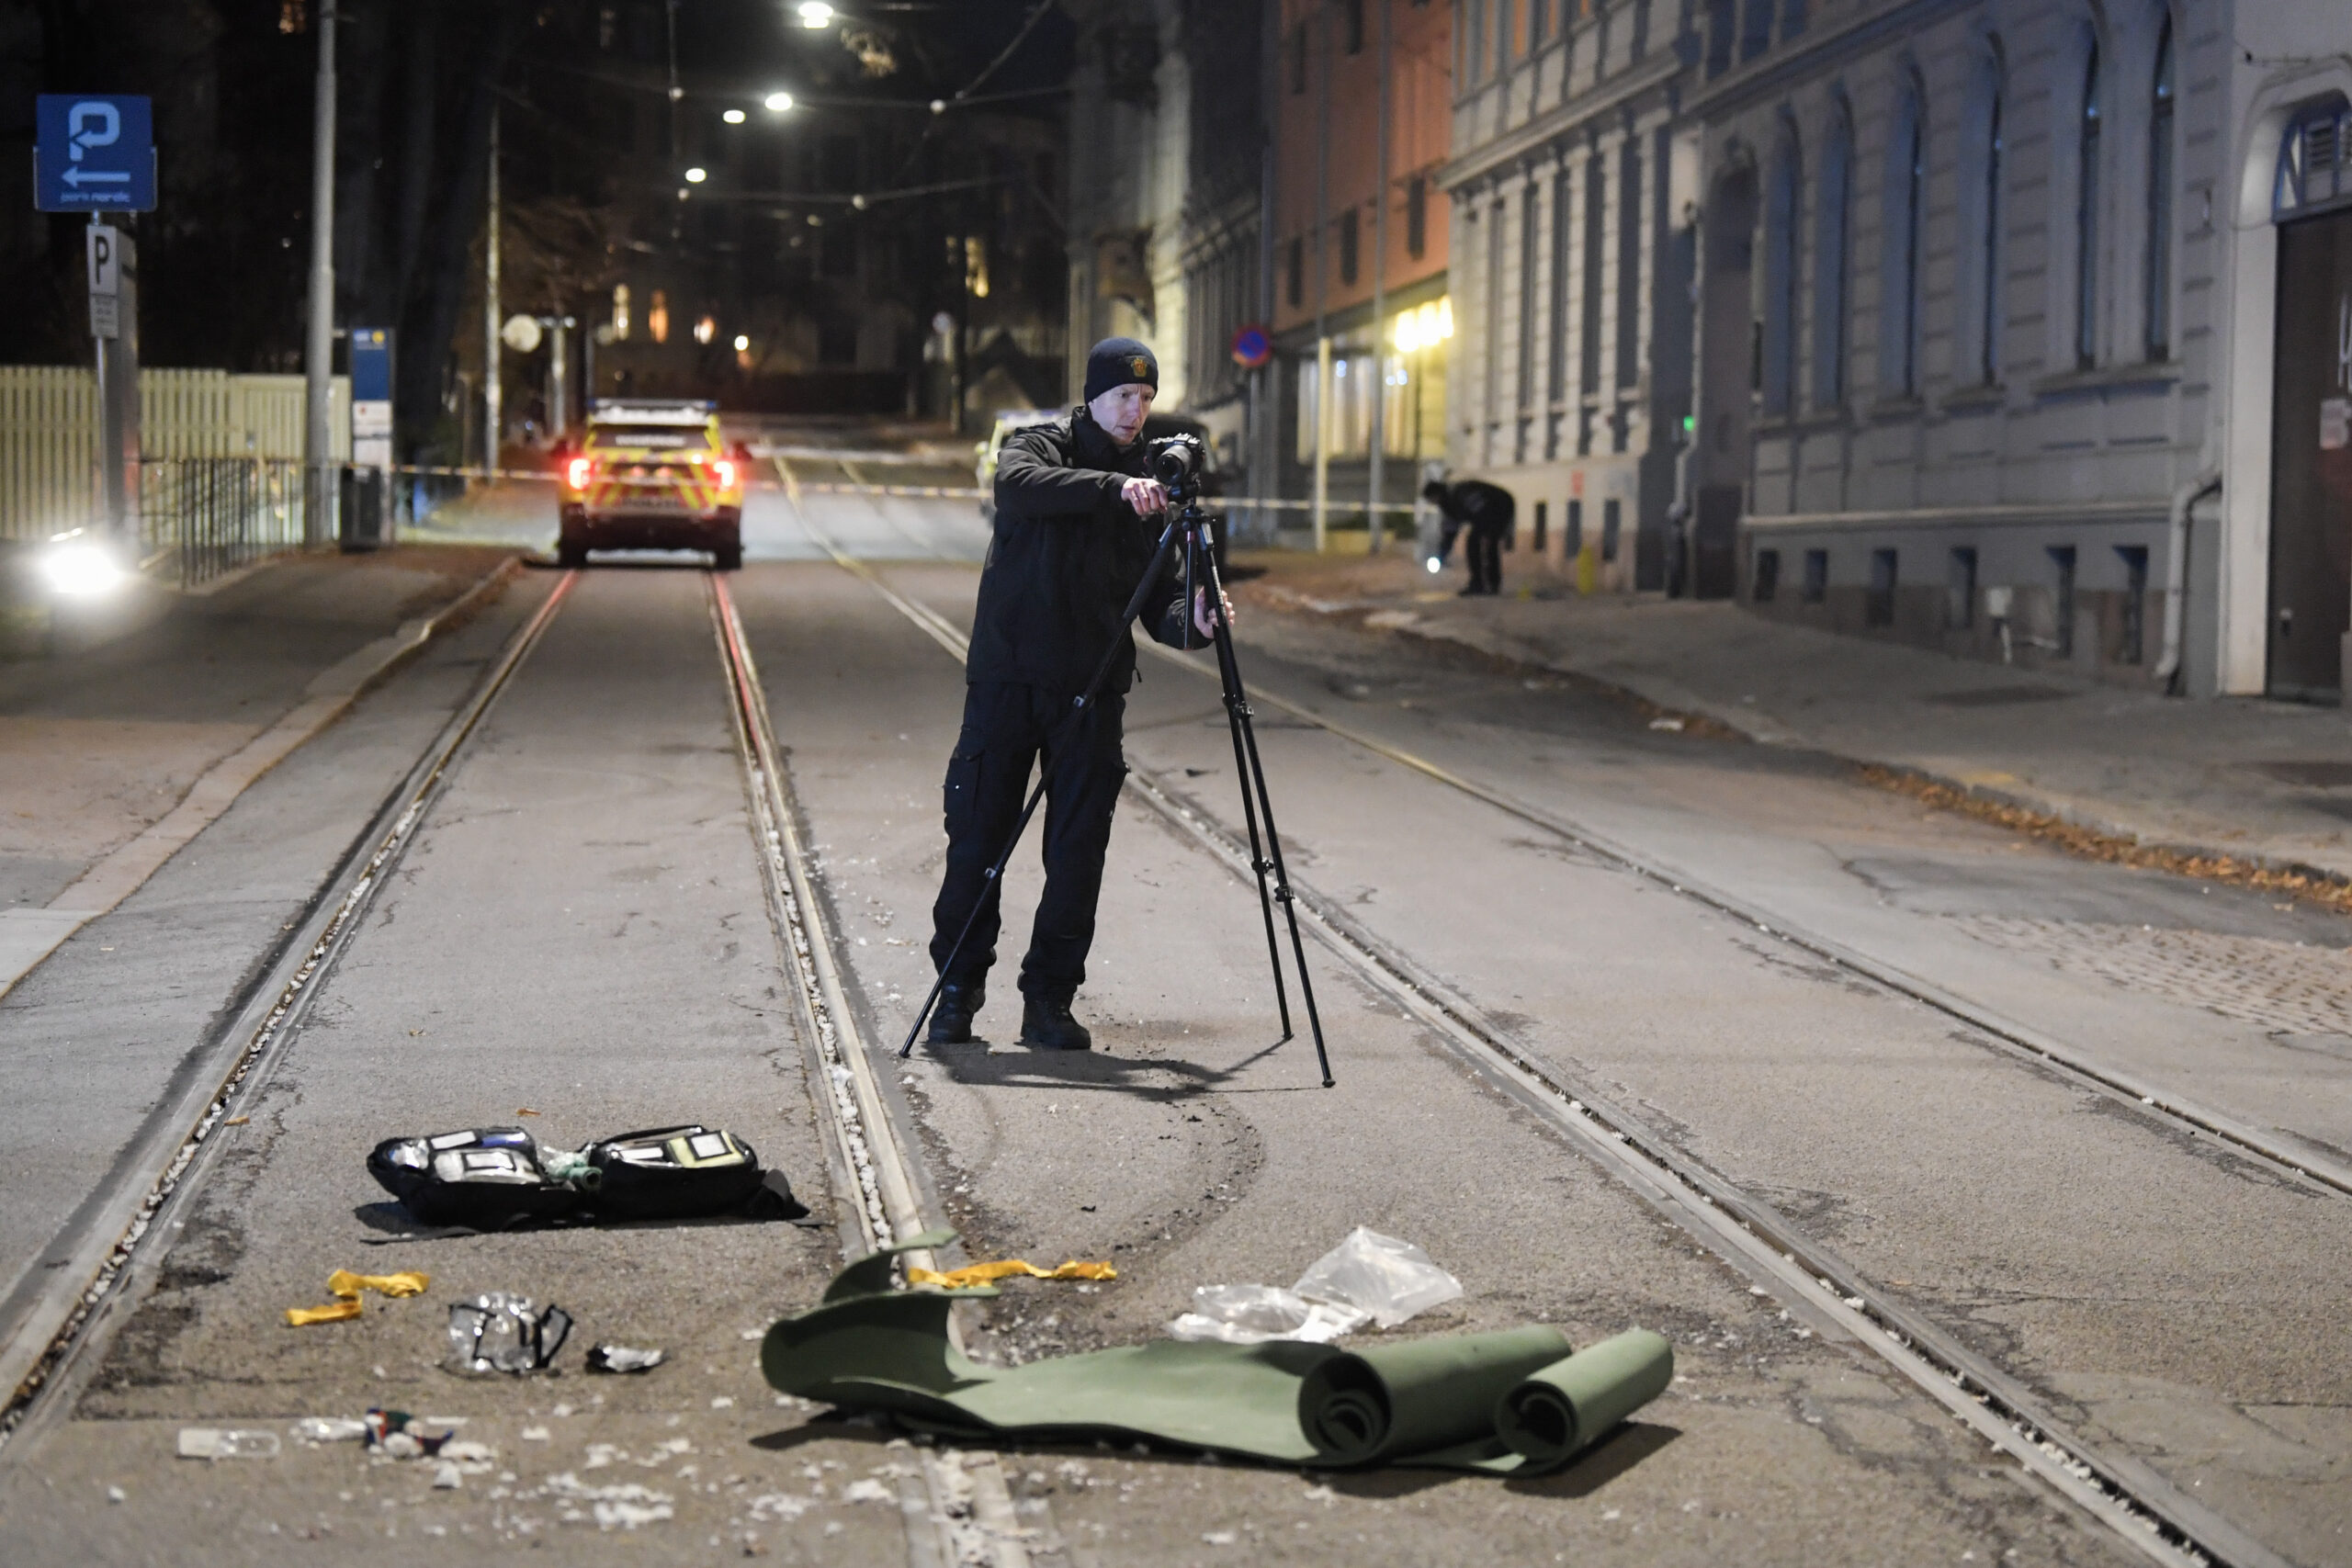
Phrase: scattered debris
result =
(1005, 1268)
(502, 1332)
(627, 1505)
(116, 1494)
(622, 1358)
(345, 1286)
(396, 1434)
(867, 1492)
(1669, 721)
(1368, 1277)
(329, 1429)
(448, 1476)
(1516, 1401)
(216, 1443)
(493, 1178)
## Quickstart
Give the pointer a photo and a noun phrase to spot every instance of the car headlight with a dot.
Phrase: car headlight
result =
(78, 566)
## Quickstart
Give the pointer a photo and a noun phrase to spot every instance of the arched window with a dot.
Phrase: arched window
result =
(1831, 201)
(1989, 347)
(2086, 218)
(2158, 269)
(1906, 179)
(1779, 300)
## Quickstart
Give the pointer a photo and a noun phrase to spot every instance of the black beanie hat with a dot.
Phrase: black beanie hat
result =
(1117, 362)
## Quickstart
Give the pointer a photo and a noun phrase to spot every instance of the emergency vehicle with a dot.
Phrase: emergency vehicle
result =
(652, 474)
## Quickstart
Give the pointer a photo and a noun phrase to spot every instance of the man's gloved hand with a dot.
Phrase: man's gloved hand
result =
(1147, 496)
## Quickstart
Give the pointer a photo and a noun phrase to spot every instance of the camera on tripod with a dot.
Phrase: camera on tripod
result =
(1177, 462)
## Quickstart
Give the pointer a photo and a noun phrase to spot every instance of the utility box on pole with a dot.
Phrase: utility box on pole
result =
(366, 512)
(113, 271)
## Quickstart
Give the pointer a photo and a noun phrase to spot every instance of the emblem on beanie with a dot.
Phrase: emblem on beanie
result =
(1139, 364)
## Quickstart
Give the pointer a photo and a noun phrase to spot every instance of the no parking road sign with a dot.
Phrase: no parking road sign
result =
(94, 154)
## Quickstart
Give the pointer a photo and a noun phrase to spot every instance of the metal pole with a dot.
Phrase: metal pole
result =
(491, 411)
(318, 437)
(559, 378)
(1264, 455)
(1379, 291)
(1322, 283)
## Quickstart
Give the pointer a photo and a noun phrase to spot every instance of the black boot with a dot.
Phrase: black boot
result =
(1046, 1024)
(951, 1020)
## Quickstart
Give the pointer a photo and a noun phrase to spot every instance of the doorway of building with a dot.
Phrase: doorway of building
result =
(2311, 461)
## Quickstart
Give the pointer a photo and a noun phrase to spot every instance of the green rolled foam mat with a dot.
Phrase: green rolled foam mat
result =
(1515, 1401)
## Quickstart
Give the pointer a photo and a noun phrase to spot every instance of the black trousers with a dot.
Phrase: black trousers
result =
(1483, 552)
(1006, 729)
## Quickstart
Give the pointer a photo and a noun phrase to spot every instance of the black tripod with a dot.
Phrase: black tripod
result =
(1177, 460)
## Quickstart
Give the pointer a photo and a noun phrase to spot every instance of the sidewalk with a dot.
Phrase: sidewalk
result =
(2262, 782)
(153, 713)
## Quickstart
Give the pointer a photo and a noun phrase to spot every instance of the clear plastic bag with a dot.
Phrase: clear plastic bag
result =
(1368, 1277)
(1249, 1315)
(1387, 1280)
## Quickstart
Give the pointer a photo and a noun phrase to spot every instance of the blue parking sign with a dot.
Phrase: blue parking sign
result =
(94, 153)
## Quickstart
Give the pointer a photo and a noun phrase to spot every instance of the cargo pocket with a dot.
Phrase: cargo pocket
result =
(958, 795)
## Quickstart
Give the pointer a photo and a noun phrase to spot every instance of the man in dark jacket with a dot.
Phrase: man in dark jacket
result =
(1487, 511)
(1077, 517)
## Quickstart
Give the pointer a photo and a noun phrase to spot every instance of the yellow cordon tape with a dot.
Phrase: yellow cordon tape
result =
(1003, 1269)
(345, 1286)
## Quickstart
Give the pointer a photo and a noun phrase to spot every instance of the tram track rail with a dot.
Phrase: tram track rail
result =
(115, 1241)
(2139, 1505)
(959, 1508)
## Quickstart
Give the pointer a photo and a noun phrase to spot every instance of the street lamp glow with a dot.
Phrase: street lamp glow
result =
(776, 103)
(697, 175)
(816, 15)
(741, 343)
(733, 116)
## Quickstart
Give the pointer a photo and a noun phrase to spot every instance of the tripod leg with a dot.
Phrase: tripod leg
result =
(1230, 669)
(994, 884)
(1237, 713)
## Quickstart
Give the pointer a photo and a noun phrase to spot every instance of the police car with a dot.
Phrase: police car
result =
(652, 474)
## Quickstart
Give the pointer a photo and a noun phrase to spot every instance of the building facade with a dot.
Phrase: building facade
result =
(1360, 94)
(1574, 243)
(2025, 330)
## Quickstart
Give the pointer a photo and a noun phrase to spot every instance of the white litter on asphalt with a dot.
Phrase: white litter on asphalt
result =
(627, 1505)
(329, 1429)
(1368, 1277)
(214, 1443)
(867, 1492)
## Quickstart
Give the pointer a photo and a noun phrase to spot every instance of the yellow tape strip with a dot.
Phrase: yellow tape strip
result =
(345, 1286)
(981, 1273)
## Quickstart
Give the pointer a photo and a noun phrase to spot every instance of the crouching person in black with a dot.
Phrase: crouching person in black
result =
(1077, 517)
(1487, 511)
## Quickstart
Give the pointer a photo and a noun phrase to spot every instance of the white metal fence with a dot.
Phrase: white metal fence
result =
(48, 432)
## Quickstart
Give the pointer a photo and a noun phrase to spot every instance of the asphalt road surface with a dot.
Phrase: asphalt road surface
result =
(1987, 1112)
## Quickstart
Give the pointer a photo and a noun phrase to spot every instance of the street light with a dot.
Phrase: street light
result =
(742, 342)
(697, 175)
(733, 116)
(815, 15)
(776, 103)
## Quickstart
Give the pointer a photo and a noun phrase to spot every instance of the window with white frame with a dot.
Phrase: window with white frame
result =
(1832, 225)
(2086, 226)
(2157, 272)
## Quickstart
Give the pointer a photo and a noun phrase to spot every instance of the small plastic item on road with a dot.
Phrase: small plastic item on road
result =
(331, 1429)
(1006, 1268)
(501, 1332)
(1519, 1401)
(1368, 1277)
(1378, 1275)
(217, 1442)
(396, 1434)
(623, 1359)
(345, 1286)
(1251, 1314)
(498, 1178)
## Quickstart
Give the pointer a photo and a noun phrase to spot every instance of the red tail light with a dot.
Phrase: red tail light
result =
(577, 472)
(725, 470)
